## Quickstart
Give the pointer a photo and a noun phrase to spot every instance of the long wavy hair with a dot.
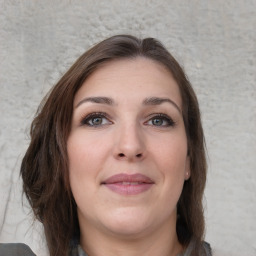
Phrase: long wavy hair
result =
(44, 168)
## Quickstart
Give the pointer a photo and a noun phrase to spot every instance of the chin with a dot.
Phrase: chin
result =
(128, 222)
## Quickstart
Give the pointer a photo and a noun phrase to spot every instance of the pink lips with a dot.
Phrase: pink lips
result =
(126, 184)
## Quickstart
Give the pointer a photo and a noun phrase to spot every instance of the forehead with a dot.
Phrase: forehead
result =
(133, 78)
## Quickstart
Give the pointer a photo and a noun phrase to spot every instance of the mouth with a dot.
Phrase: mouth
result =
(126, 184)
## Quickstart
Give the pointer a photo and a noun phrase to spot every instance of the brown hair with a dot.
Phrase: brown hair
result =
(44, 167)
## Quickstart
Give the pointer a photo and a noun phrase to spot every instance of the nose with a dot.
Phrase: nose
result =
(130, 144)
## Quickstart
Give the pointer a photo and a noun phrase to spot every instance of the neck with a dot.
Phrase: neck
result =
(160, 242)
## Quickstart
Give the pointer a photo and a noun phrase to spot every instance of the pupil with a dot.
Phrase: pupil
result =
(97, 120)
(157, 122)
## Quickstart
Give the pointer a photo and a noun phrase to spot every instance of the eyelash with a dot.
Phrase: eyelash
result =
(85, 120)
(163, 117)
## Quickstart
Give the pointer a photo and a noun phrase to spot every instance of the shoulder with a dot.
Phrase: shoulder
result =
(203, 249)
(15, 249)
(207, 249)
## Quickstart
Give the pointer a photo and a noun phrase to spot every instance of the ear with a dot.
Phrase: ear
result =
(187, 169)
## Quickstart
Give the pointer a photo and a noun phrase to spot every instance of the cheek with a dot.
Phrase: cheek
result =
(171, 154)
(85, 152)
(81, 163)
(171, 161)
(87, 155)
(82, 156)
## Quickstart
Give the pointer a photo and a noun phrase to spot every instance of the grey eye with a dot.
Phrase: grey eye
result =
(95, 121)
(157, 121)
(161, 120)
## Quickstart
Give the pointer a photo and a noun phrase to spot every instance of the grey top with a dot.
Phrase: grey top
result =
(14, 249)
(206, 249)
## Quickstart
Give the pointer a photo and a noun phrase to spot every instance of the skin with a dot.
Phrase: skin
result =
(132, 138)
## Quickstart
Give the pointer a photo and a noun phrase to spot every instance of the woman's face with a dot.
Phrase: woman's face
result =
(127, 149)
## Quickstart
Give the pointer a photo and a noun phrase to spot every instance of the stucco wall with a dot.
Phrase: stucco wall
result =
(216, 43)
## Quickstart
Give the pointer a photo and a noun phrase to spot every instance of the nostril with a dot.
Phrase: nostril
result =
(122, 155)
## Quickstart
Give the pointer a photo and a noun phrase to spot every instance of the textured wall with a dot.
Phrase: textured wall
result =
(216, 43)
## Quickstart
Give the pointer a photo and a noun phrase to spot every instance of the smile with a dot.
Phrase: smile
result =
(126, 184)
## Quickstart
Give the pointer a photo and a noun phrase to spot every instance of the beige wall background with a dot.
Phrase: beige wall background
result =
(216, 43)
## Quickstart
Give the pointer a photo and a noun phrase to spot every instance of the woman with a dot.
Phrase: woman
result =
(116, 163)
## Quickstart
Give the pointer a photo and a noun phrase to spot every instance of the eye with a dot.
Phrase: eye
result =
(161, 120)
(96, 119)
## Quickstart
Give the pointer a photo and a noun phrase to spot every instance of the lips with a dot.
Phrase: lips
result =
(126, 184)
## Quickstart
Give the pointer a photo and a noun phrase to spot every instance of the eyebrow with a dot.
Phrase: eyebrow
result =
(159, 101)
(99, 100)
(148, 101)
